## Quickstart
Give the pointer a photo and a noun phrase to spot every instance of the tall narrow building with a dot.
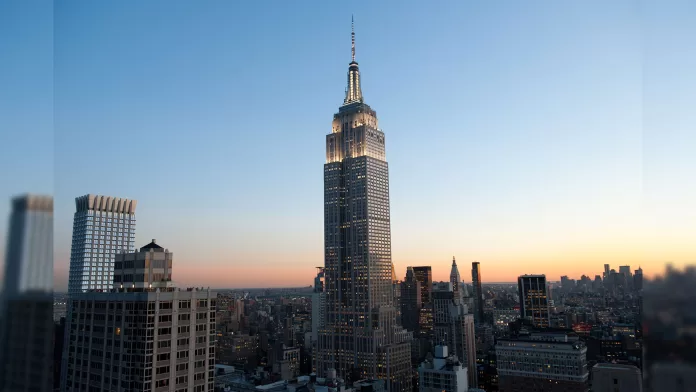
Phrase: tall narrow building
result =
(478, 292)
(410, 301)
(102, 227)
(26, 308)
(361, 337)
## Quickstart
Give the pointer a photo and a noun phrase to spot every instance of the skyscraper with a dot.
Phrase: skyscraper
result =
(410, 301)
(478, 292)
(424, 275)
(102, 227)
(534, 304)
(361, 337)
(26, 308)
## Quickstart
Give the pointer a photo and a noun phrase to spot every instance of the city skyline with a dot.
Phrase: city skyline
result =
(513, 171)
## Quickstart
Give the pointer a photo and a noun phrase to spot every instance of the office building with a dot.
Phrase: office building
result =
(454, 327)
(445, 373)
(424, 276)
(361, 338)
(478, 292)
(103, 226)
(546, 362)
(612, 377)
(410, 302)
(140, 339)
(534, 304)
(26, 303)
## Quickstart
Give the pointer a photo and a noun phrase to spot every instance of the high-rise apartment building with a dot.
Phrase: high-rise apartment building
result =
(26, 304)
(361, 337)
(478, 291)
(103, 226)
(549, 362)
(140, 338)
(534, 305)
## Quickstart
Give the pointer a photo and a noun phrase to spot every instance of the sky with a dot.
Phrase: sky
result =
(537, 137)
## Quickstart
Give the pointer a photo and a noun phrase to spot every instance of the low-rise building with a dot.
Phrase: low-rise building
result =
(542, 361)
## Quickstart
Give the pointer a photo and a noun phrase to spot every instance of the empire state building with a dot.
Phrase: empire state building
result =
(360, 337)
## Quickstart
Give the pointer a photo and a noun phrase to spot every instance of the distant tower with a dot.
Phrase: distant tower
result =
(638, 279)
(534, 304)
(103, 226)
(456, 280)
(478, 291)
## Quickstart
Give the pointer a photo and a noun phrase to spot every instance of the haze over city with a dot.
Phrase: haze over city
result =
(544, 144)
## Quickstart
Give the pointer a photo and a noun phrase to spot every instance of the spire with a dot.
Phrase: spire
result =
(352, 37)
(454, 262)
(353, 92)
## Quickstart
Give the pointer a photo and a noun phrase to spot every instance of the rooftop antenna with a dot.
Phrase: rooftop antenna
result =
(352, 36)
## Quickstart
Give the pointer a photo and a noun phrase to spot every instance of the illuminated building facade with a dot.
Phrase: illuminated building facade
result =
(361, 337)
(534, 304)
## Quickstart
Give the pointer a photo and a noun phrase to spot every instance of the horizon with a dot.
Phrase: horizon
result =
(547, 138)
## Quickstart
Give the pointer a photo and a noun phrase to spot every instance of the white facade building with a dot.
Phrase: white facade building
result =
(103, 226)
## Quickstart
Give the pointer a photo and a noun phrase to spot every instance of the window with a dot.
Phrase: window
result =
(163, 357)
(182, 354)
(164, 343)
(165, 318)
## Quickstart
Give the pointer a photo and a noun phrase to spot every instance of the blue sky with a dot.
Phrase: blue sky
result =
(535, 137)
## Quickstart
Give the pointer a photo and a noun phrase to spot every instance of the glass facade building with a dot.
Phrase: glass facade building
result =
(103, 226)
